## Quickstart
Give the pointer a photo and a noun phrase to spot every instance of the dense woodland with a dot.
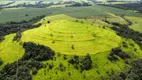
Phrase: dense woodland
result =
(79, 4)
(117, 52)
(18, 27)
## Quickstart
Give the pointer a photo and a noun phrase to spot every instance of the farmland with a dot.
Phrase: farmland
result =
(79, 12)
(69, 40)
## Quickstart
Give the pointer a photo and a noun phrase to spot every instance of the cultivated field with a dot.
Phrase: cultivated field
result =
(78, 12)
(74, 37)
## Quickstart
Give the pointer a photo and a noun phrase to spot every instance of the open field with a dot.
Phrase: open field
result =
(70, 43)
(101, 65)
(62, 27)
(10, 51)
(137, 23)
(81, 36)
(78, 12)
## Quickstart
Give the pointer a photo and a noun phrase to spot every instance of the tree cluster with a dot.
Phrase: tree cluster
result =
(1, 61)
(84, 63)
(18, 27)
(37, 52)
(31, 61)
(117, 52)
(126, 32)
(79, 4)
(130, 6)
(135, 72)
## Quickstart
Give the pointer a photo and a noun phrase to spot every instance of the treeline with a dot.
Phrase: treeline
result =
(30, 62)
(117, 52)
(124, 31)
(135, 72)
(37, 5)
(129, 6)
(18, 27)
(7, 4)
(79, 4)
(84, 63)
(1, 61)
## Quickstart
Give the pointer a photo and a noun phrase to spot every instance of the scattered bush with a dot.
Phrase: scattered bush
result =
(1, 61)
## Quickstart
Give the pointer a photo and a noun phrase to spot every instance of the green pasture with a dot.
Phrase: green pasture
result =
(10, 51)
(137, 23)
(78, 12)
(70, 34)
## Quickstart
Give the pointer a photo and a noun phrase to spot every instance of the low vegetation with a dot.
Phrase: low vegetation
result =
(31, 61)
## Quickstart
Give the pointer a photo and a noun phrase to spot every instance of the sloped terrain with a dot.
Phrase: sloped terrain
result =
(75, 37)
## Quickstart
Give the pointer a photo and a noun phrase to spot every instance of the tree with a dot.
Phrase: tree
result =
(26, 15)
(34, 71)
(1, 61)
(86, 63)
(48, 22)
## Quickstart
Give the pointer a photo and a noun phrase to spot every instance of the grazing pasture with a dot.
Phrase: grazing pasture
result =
(78, 12)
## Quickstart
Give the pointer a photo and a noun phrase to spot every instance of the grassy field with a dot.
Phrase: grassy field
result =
(62, 27)
(10, 51)
(78, 12)
(70, 36)
(137, 23)
(73, 31)
(101, 66)
(82, 37)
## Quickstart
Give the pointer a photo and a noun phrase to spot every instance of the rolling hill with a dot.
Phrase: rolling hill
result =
(90, 42)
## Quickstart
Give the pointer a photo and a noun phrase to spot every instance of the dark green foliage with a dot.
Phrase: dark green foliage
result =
(86, 63)
(48, 22)
(129, 6)
(20, 70)
(124, 44)
(135, 72)
(72, 47)
(37, 52)
(62, 67)
(34, 71)
(26, 15)
(123, 75)
(50, 66)
(76, 4)
(74, 60)
(126, 32)
(117, 52)
(18, 36)
(65, 57)
(129, 33)
(1, 61)
(112, 57)
(69, 73)
(18, 27)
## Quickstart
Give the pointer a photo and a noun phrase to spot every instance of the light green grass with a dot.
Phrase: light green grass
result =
(78, 12)
(137, 23)
(100, 64)
(64, 33)
(10, 51)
